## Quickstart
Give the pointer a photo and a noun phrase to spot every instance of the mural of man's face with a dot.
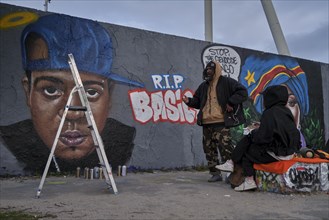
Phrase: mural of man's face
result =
(293, 105)
(47, 95)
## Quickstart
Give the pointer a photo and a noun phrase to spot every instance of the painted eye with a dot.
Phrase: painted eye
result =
(292, 103)
(92, 93)
(52, 91)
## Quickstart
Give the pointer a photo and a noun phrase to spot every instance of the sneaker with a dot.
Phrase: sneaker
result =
(249, 183)
(215, 178)
(228, 166)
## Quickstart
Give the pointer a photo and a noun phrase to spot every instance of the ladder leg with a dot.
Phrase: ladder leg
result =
(108, 168)
(50, 158)
(103, 161)
(56, 164)
(102, 164)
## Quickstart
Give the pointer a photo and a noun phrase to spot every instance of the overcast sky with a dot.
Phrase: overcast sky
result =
(242, 23)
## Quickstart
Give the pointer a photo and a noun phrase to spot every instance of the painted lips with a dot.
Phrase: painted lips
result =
(72, 138)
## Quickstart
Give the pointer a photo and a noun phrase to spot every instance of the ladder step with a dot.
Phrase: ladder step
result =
(77, 108)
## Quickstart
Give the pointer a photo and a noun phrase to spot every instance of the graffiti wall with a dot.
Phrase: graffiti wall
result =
(134, 81)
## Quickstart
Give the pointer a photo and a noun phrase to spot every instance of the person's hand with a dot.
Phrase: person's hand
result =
(255, 124)
(185, 99)
(229, 108)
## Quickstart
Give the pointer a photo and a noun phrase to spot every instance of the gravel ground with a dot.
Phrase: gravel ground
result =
(158, 195)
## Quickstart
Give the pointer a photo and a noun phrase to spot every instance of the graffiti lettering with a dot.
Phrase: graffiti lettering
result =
(304, 176)
(269, 181)
(163, 81)
(227, 63)
(268, 177)
(161, 106)
(226, 60)
(219, 52)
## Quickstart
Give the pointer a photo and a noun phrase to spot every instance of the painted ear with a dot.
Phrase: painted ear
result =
(27, 89)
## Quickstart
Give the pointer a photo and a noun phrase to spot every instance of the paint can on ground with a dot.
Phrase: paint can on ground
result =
(96, 172)
(91, 173)
(119, 171)
(124, 170)
(78, 172)
(101, 173)
(86, 173)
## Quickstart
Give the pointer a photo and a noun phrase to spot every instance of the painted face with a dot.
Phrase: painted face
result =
(47, 97)
(293, 105)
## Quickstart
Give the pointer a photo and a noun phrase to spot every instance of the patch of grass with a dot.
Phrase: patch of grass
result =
(21, 215)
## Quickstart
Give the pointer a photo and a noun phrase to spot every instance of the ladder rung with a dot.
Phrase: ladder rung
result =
(77, 108)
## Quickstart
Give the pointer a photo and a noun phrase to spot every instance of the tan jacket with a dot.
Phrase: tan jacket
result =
(212, 111)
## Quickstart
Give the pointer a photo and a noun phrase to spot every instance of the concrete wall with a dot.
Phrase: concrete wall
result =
(152, 128)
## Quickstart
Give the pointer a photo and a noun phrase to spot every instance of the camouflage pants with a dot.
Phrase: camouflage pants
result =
(216, 139)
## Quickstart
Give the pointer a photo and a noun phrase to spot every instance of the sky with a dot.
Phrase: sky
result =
(241, 23)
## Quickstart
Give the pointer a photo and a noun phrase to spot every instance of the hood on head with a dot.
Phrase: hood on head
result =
(218, 70)
(275, 95)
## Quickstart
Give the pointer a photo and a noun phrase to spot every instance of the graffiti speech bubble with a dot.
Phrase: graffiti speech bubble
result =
(226, 56)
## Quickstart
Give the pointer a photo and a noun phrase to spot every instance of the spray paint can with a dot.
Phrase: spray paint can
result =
(86, 173)
(78, 172)
(91, 176)
(119, 170)
(124, 170)
(101, 173)
(96, 172)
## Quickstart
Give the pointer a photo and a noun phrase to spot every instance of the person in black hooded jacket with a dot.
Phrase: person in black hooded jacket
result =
(277, 137)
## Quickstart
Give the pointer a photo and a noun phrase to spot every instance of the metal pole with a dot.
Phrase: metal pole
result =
(46, 5)
(208, 20)
(273, 21)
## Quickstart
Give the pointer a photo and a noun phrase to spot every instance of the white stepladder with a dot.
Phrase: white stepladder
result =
(85, 106)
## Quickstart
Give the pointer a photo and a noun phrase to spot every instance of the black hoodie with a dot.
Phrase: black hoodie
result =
(277, 131)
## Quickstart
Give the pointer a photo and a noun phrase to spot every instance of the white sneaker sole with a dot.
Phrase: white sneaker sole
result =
(223, 169)
(245, 188)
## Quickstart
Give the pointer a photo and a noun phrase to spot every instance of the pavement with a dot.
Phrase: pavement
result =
(157, 195)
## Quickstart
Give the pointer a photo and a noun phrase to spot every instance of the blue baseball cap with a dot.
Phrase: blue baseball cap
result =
(87, 40)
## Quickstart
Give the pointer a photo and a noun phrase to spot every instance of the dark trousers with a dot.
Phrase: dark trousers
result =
(246, 154)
